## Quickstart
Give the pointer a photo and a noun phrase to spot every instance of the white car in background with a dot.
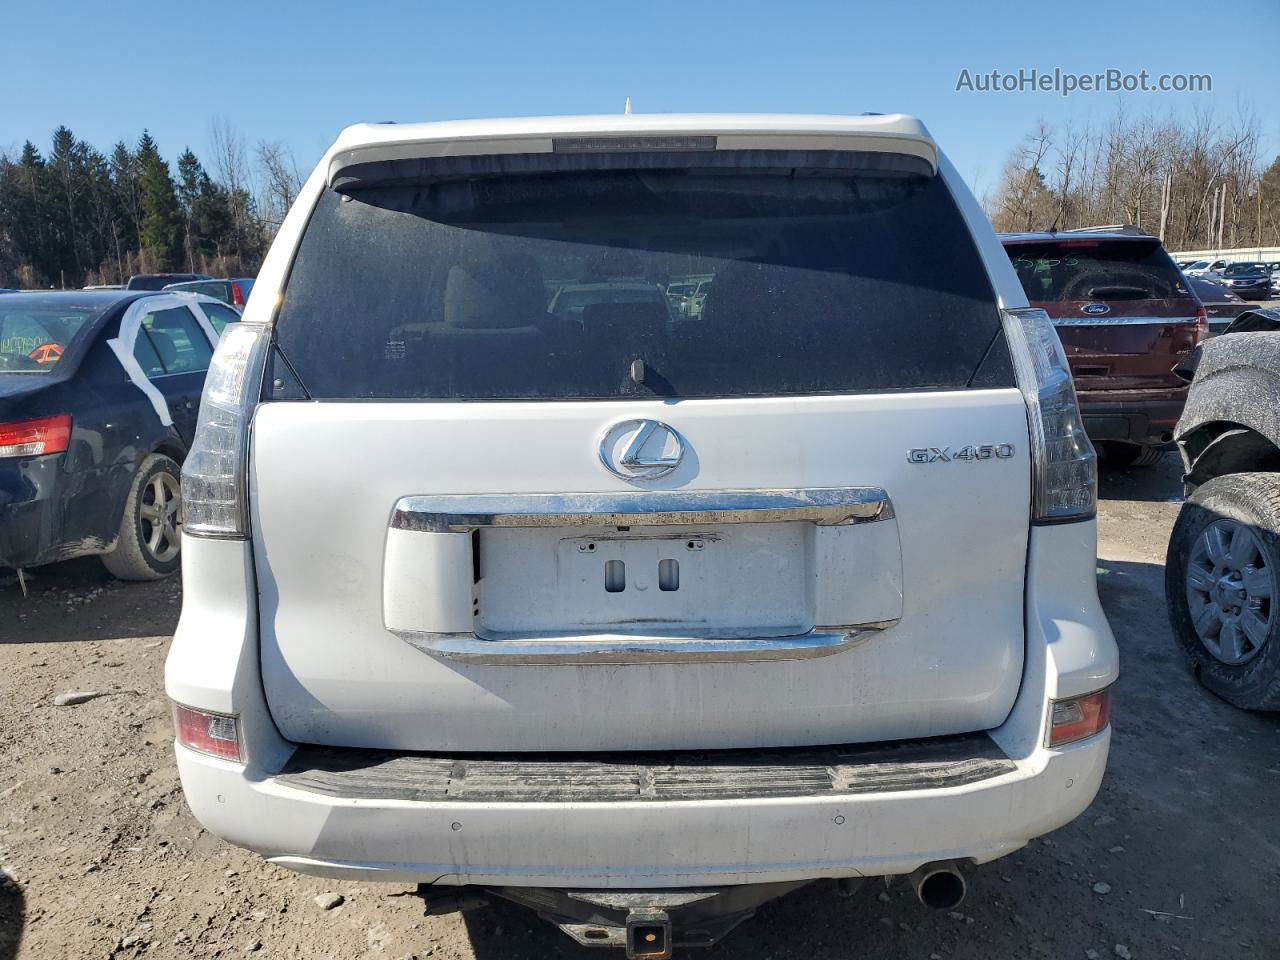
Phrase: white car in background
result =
(639, 623)
(1206, 269)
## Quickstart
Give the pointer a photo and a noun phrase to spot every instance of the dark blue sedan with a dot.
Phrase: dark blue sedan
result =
(99, 393)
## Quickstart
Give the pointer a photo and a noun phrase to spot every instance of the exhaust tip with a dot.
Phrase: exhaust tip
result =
(939, 886)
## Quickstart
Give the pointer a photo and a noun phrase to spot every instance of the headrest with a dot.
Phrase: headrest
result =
(494, 293)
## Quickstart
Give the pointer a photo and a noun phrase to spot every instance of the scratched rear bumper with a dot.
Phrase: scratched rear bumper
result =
(413, 826)
(380, 835)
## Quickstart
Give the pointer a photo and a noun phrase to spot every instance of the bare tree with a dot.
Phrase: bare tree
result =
(1072, 153)
(1193, 181)
(231, 170)
(1023, 196)
(280, 180)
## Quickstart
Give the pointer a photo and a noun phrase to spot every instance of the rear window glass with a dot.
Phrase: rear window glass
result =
(784, 273)
(151, 283)
(212, 288)
(1096, 270)
(33, 337)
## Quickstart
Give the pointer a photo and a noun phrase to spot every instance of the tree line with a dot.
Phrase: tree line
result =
(75, 215)
(1196, 183)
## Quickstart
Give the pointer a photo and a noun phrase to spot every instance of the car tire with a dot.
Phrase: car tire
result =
(1222, 586)
(1120, 456)
(149, 542)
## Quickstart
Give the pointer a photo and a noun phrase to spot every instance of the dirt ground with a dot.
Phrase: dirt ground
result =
(103, 859)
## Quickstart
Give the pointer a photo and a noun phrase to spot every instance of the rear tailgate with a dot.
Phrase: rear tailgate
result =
(1133, 346)
(798, 518)
(951, 662)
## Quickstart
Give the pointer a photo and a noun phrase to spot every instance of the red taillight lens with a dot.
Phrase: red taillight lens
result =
(35, 438)
(1079, 717)
(1202, 326)
(216, 734)
(237, 295)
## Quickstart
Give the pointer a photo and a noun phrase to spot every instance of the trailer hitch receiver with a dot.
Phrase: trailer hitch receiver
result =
(648, 935)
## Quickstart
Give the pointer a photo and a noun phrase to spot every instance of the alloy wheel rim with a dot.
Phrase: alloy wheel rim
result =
(161, 515)
(1230, 589)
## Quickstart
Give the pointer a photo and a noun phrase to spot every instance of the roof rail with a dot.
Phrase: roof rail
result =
(1127, 229)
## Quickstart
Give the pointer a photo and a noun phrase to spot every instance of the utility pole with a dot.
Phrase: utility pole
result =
(1213, 212)
(1222, 215)
(1166, 193)
(1259, 212)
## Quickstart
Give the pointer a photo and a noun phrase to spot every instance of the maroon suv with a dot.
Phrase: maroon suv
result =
(1125, 315)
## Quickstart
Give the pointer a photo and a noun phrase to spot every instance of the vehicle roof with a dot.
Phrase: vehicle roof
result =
(363, 134)
(458, 137)
(211, 280)
(172, 273)
(99, 299)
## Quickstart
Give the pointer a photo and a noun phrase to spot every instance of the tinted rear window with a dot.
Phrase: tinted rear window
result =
(151, 283)
(1096, 270)
(211, 288)
(35, 333)
(816, 272)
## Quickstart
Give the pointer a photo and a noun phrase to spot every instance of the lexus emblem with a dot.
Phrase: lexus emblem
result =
(640, 450)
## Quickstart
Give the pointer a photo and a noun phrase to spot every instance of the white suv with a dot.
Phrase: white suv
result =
(636, 617)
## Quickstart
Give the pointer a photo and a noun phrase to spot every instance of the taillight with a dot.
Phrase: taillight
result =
(1064, 474)
(35, 438)
(1079, 717)
(214, 498)
(216, 734)
(1202, 326)
(237, 295)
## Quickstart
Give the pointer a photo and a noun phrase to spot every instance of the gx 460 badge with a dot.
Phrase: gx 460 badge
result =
(971, 453)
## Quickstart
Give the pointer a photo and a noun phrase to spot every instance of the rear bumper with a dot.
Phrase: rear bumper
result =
(642, 844)
(40, 515)
(1141, 419)
(758, 837)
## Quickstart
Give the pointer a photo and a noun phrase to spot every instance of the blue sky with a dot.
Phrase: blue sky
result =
(298, 72)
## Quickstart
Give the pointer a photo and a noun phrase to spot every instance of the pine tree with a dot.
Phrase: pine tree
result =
(161, 227)
(189, 176)
(30, 217)
(124, 178)
(69, 183)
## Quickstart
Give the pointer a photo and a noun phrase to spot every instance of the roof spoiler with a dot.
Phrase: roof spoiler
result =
(1124, 229)
(391, 161)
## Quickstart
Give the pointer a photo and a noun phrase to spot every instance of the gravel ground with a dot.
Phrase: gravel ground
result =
(1178, 857)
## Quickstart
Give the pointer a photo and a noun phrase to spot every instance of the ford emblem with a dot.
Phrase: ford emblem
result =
(1095, 309)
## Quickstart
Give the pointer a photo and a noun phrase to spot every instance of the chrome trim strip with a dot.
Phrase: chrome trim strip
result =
(623, 649)
(1112, 321)
(825, 506)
